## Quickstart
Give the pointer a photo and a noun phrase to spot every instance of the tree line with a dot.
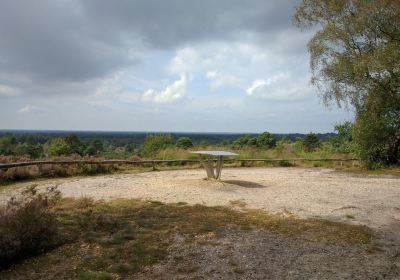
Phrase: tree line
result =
(154, 143)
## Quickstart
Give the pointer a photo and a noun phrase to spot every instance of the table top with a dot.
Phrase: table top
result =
(215, 153)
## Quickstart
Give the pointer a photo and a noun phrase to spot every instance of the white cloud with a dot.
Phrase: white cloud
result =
(8, 91)
(255, 85)
(236, 64)
(279, 87)
(172, 93)
(186, 60)
(28, 109)
(116, 88)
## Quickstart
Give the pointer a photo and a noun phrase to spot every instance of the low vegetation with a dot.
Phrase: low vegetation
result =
(163, 146)
(28, 226)
(120, 238)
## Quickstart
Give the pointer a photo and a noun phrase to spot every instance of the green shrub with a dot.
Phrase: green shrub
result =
(266, 140)
(343, 142)
(7, 145)
(377, 133)
(184, 143)
(284, 163)
(298, 145)
(311, 142)
(59, 147)
(27, 226)
(155, 143)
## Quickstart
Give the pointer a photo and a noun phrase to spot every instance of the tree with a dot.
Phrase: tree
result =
(184, 143)
(74, 143)
(60, 147)
(7, 145)
(94, 147)
(244, 141)
(343, 142)
(355, 61)
(30, 149)
(311, 142)
(155, 143)
(266, 140)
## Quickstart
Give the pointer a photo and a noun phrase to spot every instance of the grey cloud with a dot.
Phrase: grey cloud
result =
(49, 40)
(166, 24)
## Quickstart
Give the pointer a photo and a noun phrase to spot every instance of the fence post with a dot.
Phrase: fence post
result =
(154, 165)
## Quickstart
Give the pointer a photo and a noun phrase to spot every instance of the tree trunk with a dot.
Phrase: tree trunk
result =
(393, 152)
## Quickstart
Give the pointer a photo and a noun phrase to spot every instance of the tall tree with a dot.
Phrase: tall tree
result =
(355, 61)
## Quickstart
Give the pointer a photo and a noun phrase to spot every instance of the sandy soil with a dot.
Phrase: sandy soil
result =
(369, 200)
(264, 255)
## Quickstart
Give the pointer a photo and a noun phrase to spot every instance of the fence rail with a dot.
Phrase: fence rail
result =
(154, 162)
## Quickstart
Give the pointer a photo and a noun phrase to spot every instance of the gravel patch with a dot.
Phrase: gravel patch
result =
(264, 255)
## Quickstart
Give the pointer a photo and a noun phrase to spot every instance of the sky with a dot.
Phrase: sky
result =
(157, 65)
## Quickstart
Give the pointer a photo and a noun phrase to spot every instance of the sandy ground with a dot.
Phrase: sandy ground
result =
(369, 200)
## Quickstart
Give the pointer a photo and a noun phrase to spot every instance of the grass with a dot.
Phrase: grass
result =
(122, 237)
(238, 203)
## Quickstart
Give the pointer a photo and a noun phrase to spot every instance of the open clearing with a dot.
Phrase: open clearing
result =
(365, 199)
(368, 200)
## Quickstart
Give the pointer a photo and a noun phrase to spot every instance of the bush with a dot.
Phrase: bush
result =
(284, 163)
(266, 140)
(298, 145)
(343, 142)
(244, 141)
(27, 225)
(155, 143)
(184, 143)
(311, 142)
(377, 132)
(60, 147)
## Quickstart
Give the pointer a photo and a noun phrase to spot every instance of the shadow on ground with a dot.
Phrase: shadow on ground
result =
(244, 184)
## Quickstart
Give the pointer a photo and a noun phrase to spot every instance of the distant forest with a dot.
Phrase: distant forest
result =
(122, 145)
(125, 138)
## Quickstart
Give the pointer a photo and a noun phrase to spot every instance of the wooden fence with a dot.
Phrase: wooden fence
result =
(292, 161)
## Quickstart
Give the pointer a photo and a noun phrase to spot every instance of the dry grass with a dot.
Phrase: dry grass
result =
(122, 237)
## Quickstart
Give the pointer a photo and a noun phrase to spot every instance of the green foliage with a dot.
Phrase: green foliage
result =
(155, 143)
(60, 147)
(7, 145)
(343, 142)
(280, 146)
(184, 143)
(95, 147)
(74, 144)
(355, 60)
(30, 149)
(311, 142)
(263, 140)
(298, 145)
(377, 133)
(68, 145)
(244, 141)
(266, 140)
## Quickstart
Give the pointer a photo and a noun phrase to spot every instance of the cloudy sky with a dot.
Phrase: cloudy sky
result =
(157, 65)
